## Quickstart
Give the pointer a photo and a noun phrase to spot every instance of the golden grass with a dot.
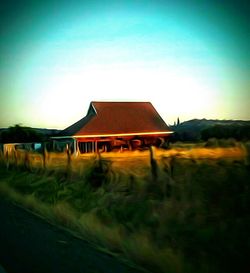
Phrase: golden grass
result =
(134, 162)
(140, 249)
(209, 153)
(64, 213)
(102, 235)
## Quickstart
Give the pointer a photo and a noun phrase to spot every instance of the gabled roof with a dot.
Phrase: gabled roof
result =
(114, 118)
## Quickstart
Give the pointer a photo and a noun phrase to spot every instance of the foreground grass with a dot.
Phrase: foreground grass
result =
(188, 215)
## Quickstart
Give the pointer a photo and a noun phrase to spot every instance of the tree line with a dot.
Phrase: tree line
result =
(21, 134)
(238, 132)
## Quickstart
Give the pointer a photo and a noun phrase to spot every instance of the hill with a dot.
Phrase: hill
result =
(197, 129)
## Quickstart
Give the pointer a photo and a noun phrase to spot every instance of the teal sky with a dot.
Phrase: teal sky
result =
(189, 58)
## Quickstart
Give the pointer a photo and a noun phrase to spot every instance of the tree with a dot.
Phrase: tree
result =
(19, 134)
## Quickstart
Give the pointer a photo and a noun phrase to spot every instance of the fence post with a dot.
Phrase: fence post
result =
(168, 167)
(153, 163)
(68, 152)
(15, 158)
(26, 160)
(44, 154)
(7, 160)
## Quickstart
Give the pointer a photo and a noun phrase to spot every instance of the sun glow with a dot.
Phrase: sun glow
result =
(74, 91)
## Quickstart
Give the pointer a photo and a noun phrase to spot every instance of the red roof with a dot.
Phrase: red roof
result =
(114, 118)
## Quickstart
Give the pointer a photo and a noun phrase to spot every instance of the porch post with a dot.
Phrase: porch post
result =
(75, 146)
(96, 147)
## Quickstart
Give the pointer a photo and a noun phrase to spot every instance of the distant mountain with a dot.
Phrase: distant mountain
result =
(192, 129)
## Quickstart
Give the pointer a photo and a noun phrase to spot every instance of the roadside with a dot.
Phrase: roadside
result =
(31, 245)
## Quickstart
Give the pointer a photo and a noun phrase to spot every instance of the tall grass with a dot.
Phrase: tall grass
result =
(189, 215)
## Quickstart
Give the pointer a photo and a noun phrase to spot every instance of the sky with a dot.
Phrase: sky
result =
(191, 59)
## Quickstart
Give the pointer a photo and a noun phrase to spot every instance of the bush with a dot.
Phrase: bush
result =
(97, 174)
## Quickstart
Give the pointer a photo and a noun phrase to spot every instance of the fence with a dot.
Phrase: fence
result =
(137, 162)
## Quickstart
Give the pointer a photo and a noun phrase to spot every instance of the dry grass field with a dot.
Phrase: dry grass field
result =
(126, 161)
(185, 209)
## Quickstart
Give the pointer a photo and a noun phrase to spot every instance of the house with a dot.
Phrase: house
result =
(115, 125)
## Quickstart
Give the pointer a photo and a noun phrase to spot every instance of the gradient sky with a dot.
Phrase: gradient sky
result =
(189, 58)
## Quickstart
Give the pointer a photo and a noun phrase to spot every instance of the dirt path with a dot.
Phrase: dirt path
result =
(30, 245)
